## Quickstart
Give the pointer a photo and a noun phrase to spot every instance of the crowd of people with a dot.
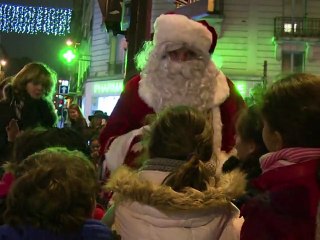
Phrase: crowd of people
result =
(181, 156)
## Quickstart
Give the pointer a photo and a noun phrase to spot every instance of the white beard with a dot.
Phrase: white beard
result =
(196, 83)
(167, 83)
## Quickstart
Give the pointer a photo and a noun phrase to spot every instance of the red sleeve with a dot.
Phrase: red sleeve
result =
(229, 112)
(127, 115)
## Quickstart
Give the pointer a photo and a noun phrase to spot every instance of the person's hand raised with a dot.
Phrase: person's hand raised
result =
(13, 130)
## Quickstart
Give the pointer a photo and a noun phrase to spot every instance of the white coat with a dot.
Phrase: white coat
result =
(146, 210)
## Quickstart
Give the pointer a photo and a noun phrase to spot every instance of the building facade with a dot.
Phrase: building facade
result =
(266, 39)
(105, 74)
(258, 41)
(108, 51)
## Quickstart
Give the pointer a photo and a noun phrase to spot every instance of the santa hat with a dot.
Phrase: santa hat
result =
(179, 28)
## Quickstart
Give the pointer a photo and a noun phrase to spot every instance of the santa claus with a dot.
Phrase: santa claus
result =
(178, 71)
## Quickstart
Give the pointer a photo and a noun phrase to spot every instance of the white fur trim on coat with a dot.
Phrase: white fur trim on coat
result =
(119, 148)
(221, 93)
(130, 185)
(178, 28)
(145, 210)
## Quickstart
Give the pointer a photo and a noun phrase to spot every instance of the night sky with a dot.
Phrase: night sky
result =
(40, 47)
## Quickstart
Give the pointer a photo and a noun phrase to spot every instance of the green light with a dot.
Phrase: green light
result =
(141, 57)
(69, 56)
(108, 87)
(242, 88)
(217, 59)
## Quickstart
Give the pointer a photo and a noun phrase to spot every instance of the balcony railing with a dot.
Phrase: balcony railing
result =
(181, 3)
(289, 27)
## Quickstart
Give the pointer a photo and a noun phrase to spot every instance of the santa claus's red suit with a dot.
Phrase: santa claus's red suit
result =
(164, 82)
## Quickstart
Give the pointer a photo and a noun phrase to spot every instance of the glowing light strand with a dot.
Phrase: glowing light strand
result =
(34, 20)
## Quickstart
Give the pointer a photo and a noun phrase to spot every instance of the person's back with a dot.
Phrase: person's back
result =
(53, 198)
(174, 195)
(287, 208)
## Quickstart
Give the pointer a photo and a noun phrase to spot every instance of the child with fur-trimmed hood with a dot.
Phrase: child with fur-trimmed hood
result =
(175, 194)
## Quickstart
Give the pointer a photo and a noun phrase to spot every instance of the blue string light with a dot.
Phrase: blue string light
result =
(34, 20)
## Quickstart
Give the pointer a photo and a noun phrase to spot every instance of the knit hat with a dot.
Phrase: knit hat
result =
(179, 28)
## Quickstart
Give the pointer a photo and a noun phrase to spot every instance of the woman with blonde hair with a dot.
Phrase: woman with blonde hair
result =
(27, 102)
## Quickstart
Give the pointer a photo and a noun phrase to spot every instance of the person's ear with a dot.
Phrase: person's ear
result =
(278, 141)
(251, 147)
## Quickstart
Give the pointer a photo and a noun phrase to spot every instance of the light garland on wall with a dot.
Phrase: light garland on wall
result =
(34, 20)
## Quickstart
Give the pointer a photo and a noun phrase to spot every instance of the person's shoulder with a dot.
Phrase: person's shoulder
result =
(45, 105)
(94, 229)
(8, 232)
(134, 81)
(131, 87)
(6, 111)
(44, 101)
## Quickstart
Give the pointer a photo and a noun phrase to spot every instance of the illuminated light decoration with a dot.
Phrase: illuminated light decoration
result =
(69, 56)
(35, 20)
(241, 87)
(108, 87)
(210, 6)
(141, 58)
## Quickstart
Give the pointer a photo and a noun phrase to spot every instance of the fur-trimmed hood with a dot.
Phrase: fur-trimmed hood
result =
(130, 186)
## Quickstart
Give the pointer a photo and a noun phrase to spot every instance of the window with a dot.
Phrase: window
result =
(107, 104)
(290, 28)
(292, 62)
(117, 54)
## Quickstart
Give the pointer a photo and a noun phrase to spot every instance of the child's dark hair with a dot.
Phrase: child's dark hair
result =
(183, 133)
(55, 190)
(291, 106)
(249, 127)
(34, 140)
